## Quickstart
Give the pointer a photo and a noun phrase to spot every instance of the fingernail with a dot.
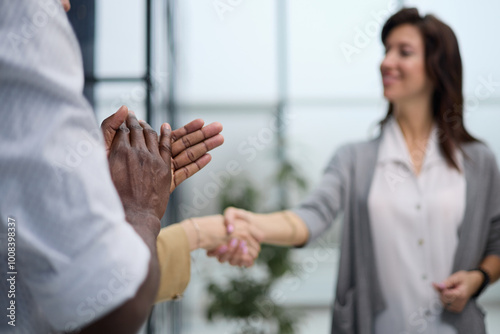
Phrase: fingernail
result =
(223, 249)
(165, 127)
(243, 244)
(442, 286)
(230, 228)
(233, 243)
(245, 249)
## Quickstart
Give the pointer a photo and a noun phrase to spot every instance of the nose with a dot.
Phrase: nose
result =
(388, 62)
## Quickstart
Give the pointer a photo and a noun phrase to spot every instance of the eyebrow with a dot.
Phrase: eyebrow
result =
(401, 44)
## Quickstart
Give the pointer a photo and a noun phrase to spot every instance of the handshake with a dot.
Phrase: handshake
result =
(233, 237)
(146, 169)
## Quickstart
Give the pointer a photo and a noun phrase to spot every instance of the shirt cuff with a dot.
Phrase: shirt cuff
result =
(175, 262)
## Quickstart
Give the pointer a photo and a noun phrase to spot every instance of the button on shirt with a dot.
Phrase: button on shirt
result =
(414, 223)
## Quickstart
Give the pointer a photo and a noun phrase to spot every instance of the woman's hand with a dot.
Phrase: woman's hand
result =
(211, 234)
(190, 144)
(244, 247)
(457, 289)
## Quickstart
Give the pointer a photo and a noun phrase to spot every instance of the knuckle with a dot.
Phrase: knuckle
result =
(166, 148)
(150, 132)
(186, 141)
(190, 155)
(124, 129)
(136, 127)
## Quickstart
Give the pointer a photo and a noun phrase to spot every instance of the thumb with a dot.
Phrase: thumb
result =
(229, 218)
(165, 143)
(111, 124)
(453, 281)
(439, 287)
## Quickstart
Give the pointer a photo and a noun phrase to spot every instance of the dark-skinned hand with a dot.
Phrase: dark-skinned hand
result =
(140, 167)
(190, 144)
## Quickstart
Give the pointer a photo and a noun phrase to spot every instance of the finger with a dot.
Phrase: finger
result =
(253, 253)
(232, 214)
(247, 260)
(111, 125)
(231, 251)
(136, 132)
(192, 126)
(191, 154)
(252, 244)
(240, 256)
(229, 218)
(199, 136)
(122, 136)
(181, 174)
(449, 297)
(165, 145)
(439, 287)
(150, 137)
(217, 251)
(453, 280)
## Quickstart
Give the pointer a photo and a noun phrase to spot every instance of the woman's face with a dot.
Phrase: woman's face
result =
(403, 68)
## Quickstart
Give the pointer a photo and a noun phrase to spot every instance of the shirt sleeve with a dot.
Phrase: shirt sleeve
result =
(175, 262)
(76, 253)
(322, 206)
(493, 243)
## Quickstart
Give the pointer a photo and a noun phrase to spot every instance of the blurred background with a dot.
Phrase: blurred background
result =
(290, 80)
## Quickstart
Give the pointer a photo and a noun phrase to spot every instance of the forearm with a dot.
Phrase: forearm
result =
(491, 264)
(204, 232)
(282, 228)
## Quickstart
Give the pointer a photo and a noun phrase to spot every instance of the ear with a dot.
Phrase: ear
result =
(66, 5)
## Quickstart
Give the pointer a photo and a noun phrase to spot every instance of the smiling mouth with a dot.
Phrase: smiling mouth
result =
(389, 79)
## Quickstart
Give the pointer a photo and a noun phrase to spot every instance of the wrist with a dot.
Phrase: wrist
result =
(143, 222)
(481, 281)
(212, 231)
(477, 279)
(205, 232)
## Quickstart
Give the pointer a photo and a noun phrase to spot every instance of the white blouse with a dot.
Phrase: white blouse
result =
(414, 224)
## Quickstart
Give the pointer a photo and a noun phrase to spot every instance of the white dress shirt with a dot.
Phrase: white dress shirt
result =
(76, 256)
(414, 223)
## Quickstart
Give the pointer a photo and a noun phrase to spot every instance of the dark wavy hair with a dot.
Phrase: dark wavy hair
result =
(443, 65)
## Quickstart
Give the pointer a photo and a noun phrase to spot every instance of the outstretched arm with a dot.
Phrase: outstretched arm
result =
(282, 228)
(176, 241)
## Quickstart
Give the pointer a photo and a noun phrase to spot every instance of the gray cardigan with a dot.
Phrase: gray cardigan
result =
(345, 188)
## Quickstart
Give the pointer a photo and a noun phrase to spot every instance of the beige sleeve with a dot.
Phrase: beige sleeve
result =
(175, 262)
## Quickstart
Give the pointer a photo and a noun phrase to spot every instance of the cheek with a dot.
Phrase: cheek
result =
(416, 74)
